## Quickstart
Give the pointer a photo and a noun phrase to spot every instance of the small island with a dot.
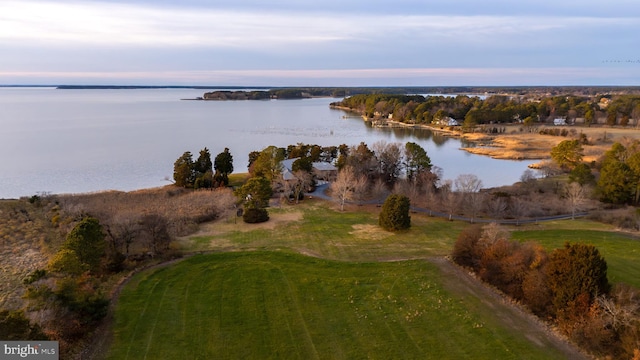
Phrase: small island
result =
(257, 95)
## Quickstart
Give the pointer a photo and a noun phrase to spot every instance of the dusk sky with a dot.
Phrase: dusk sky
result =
(320, 43)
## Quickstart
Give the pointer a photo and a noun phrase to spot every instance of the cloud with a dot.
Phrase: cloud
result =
(66, 24)
(143, 39)
(104, 24)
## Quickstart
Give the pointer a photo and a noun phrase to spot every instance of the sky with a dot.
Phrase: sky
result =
(320, 43)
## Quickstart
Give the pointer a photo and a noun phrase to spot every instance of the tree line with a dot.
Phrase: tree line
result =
(472, 111)
(200, 173)
(370, 173)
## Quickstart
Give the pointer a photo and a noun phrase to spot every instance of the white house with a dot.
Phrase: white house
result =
(447, 121)
(559, 121)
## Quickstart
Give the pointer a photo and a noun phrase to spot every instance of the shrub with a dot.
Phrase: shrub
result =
(15, 326)
(86, 240)
(395, 213)
(465, 251)
(255, 215)
(35, 276)
(576, 271)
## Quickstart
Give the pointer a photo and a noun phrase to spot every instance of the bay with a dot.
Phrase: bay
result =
(76, 141)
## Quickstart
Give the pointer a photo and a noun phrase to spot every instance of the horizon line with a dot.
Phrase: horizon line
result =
(304, 86)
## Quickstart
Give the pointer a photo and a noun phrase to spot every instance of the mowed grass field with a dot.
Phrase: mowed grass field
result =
(316, 228)
(314, 282)
(279, 305)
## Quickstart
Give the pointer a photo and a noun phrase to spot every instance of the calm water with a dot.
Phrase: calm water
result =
(72, 141)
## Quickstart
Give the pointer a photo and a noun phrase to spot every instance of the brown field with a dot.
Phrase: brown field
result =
(516, 145)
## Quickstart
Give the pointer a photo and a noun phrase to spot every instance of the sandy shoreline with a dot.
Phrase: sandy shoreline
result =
(515, 143)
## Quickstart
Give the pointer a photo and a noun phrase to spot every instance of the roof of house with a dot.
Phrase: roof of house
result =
(287, 165)
(324, 166)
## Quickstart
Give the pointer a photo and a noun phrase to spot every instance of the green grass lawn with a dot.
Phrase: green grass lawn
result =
(261, 305)
(621, 251)
(317, 228)
(257, 299)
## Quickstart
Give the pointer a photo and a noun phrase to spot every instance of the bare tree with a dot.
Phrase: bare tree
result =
(155, 228)
(475, 202)
(496, 207)
(549, 168)
(493, 232)
(517, 208)
(469, 186)
(285, 187)
(621, 307)
(576, 196)
(449, 198)
(527, 176)
(468, 183)
(407, 188)
(122, 231)
(303, 180)
(379, 189)
(389, 158)
(347, 186)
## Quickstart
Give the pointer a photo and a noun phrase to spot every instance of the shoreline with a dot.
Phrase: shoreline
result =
(516, 144)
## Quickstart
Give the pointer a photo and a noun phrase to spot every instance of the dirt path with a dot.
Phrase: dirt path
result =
(457, 281)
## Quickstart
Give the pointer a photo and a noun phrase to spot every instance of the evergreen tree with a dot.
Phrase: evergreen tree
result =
(203, 170)
(184, 171)
(567, 154)
(416, 160)
(255, 193)
(223, 166)
(86, 239)
(303, 164)
(395, 213)
(582, 175)
(577, 270)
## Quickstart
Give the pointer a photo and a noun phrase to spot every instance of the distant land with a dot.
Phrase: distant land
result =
(302, 92)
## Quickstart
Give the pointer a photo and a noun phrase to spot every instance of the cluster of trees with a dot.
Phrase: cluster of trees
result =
(295, 93)
(70, 287)
(619, 181)
(373, 173)
(568, 285)
(254, 195)
(92, 238)
(622, 109)
(619, 170)
(199, 174)
(378, 170)
(266, 176)
(416, 109)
